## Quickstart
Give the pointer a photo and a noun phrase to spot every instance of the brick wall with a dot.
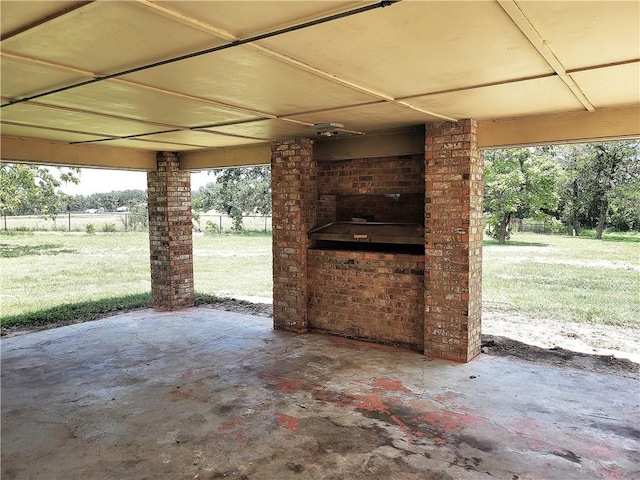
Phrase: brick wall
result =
(371, 296)
(390, 208)
(391, 189)
(170, 234)
(453, 240)
(371, 176)
(294, 197)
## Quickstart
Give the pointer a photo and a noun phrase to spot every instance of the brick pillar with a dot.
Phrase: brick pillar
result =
(453, 241)
(294, 194)
(170, 234)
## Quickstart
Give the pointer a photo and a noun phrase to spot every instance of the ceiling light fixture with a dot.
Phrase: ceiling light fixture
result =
(328, 129)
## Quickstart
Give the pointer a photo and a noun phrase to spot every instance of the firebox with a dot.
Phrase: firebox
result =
(361, 235)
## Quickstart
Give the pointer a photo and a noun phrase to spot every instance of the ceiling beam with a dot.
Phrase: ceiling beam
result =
(257, 154)
(41, 21)
(575, 127)
(28, 150)
(403, 142)
(521, 21)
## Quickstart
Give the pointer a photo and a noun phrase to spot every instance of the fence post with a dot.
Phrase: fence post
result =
(5, 220)
(265, 224)
(126, 221)
(220, 218)
(69, 220)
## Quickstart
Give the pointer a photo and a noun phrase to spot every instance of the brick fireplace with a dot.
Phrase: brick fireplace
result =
(424, 294)
(369, 291)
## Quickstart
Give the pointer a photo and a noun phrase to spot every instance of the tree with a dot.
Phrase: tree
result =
(624, 206)
(34, 189)
(109, 201)
(236, 192)
(603, 184)
(518, 182)
(572, 206)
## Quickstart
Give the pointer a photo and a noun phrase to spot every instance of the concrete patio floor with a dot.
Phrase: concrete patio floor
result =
(207, 394)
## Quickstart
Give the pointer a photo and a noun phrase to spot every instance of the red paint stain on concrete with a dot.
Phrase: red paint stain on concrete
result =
(410, 434)
(286, 385)
(369, 401)
(450, 421)
(609, 473)
(231, 424)
(184, 376)
(390, 385)
(288, 422)
(601, 452)
(373, 403)
(530, 432)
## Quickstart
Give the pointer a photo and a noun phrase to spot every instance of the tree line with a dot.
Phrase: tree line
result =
(592, 185)
(35, 190)
(109, 202)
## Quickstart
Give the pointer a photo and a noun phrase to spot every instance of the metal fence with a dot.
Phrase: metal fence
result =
(122, 222)
(223, 223)
(548, 227)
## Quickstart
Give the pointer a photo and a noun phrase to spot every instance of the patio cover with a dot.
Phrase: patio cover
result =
(107, 83)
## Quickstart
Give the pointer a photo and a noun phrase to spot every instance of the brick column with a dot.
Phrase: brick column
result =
(453, 241)
(294, 194)
(170, 234)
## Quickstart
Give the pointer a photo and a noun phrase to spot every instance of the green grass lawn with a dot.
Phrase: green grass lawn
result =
(539, 276)
(43, 270)
(565, 278)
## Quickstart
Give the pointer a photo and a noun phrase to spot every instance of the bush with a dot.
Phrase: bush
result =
(211, 228)
(90, 228)
(554, 225)
(109, 227)
(587, 233)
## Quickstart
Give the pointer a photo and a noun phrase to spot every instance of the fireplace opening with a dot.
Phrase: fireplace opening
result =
(363, 236)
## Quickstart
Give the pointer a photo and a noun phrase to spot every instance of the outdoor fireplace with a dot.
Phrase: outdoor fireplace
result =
(365, 262)
(354, 283)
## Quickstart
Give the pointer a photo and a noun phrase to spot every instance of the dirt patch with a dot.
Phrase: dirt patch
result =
(242, 306)
(608, 364)
(581, 339)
